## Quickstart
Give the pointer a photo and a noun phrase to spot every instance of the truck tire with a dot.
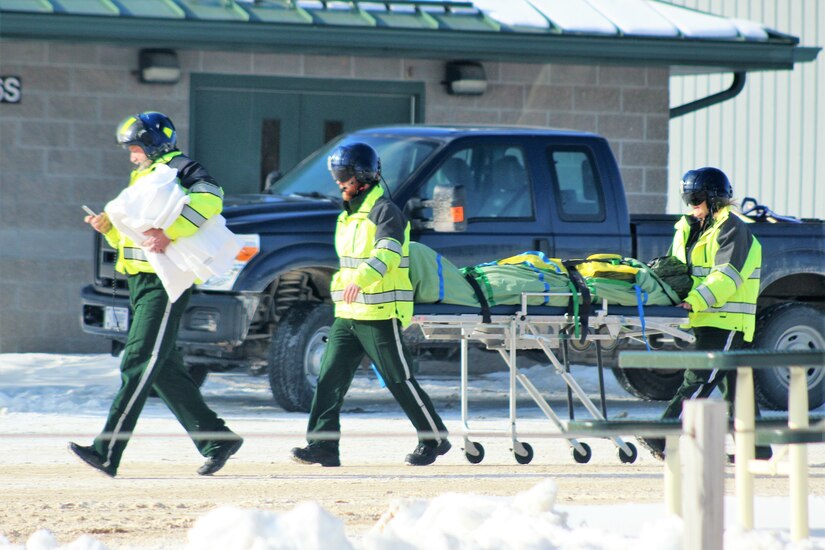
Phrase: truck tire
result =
(789, 326)
(295, 353)
(658, 385)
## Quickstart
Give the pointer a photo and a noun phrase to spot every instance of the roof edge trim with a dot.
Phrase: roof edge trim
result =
(438, 44)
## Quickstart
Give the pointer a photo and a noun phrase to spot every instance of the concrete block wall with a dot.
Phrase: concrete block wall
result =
(57, 148)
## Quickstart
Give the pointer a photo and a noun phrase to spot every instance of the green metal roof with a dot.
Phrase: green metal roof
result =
(648, 32)
(152, 8)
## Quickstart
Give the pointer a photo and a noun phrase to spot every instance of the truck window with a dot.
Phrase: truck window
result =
(576, 185)
(494, 178)
(400, 157)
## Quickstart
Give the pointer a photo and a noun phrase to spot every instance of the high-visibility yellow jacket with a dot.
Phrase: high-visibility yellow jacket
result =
(205, 201)
(725, 260)
(372, 240)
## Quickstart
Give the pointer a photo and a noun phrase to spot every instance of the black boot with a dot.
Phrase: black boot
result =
(90, 457)
(218, 460)
(426, 454)
(314, 454)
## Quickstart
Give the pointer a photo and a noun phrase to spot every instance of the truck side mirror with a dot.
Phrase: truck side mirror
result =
(447, 207)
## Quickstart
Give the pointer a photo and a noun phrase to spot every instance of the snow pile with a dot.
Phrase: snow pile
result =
(526, 520)
(449, 521)
(305, 527)
(44, 540)
(41, 382)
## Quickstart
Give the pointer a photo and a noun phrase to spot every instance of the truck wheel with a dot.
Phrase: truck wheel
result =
(295, 354)
(658, 385)
(789, 326)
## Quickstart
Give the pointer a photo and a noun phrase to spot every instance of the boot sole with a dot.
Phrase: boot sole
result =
(234, 449)
(310, 463)
(440, 450)
(97, 468)
(324, 463)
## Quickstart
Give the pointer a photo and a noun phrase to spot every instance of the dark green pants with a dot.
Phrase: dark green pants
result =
(698, 384)
(151, 361)
(349, 341)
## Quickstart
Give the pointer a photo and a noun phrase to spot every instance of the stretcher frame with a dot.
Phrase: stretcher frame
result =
(549, 329)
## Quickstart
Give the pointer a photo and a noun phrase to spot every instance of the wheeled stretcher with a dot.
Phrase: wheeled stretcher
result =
(509, 329)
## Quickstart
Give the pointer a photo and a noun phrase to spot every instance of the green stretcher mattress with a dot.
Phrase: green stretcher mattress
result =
(624, 283)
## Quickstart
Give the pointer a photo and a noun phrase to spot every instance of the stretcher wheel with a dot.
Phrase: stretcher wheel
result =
(474, 452)
(681, 344)
(580, 346)
(528, 453)
(582, 458)
(575, 342)
(628, 458)
(656, 341)
(609, 345)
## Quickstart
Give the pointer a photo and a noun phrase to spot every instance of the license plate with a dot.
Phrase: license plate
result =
(116, 318)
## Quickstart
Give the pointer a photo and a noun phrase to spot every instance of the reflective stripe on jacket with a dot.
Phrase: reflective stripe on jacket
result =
(205, 201)
(373, 244)
(725, 263)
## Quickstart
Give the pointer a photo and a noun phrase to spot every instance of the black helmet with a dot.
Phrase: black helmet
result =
(151, 131)
(355, 159)
(706, 184)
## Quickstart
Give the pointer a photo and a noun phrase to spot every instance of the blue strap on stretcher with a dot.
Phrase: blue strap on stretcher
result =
(641, 300)
(546, 288)
(440, 278)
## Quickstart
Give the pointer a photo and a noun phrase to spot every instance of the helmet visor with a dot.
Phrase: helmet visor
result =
(694, 198)
(341, 173)
(127, 131)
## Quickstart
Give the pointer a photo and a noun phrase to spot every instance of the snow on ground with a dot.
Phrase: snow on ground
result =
(45, 393)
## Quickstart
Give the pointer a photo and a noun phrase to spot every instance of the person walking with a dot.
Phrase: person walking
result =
(373, 299)
(150, 360)
(724, 260)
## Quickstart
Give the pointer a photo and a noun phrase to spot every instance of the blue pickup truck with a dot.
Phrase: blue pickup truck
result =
(559, 192)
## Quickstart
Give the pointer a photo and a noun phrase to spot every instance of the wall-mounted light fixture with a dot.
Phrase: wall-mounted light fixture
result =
(465, 78)
(158, 66)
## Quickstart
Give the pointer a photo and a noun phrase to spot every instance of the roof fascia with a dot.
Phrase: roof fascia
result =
(437, 44)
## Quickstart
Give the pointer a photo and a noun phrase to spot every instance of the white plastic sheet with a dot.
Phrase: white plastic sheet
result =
(156, 201)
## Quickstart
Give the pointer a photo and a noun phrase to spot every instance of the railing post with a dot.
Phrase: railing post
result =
(798, 454)
(703, 452)
(673, 476)
(744, 427)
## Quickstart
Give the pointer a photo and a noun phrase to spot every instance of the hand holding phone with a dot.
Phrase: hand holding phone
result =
(100, 223)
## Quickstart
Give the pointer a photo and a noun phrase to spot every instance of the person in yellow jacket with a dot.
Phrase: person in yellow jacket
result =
(724, 259)
(373, 299)
(150, 360)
